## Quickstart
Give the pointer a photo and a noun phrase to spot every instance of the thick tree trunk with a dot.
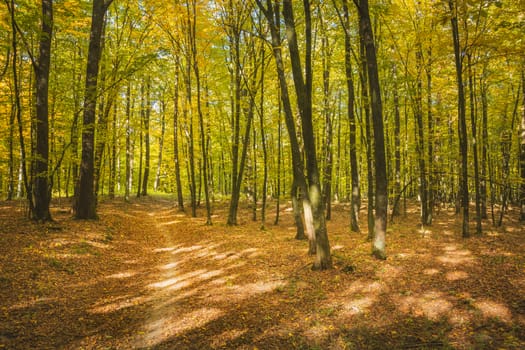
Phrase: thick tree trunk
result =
(85, 206)
(381, 179)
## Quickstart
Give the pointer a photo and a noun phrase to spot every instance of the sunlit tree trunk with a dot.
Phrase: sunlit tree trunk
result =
(271, 13)
(381, 178)
(303, 88)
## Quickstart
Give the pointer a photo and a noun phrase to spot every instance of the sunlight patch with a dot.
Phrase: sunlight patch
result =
(430, 272)
(493, 309)
(118, 304)
(168, 223)
(432, 305)
(166, 249)
(220, 340)
(187, 249)
(456, 275)
(169, 266)
(358, 306)
(122, 275)
(168, 327)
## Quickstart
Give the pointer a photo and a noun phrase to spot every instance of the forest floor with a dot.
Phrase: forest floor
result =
(147, 276)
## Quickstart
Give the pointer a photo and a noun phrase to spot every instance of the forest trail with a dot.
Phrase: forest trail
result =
(147, 276)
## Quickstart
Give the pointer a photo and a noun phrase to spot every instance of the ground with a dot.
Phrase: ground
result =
(148, 276)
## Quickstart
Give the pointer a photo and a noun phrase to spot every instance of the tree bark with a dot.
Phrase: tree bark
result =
(381, 179)
(85, 206)
(462, 125)
(303, 88)
(522, 150)
(354, 168)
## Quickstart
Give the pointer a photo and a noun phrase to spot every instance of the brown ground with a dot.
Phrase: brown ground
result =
(148, 276)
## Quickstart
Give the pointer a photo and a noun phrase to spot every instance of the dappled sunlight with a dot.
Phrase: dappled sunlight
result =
(169, 223)
(357, 306)
(164, 328)
(453, 256)
(122, 275)
(456, 275)
(431, 305)
(431, 271)
(492, 309)
(221, 340)
(118, 303)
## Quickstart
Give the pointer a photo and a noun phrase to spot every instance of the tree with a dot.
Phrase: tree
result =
(381, 179)
(303, 92)
(40, 163)
(85, 205)
(463, 148)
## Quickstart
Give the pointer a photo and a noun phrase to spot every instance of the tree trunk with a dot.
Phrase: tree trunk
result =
(128, 182)
(272, 15)
(23, 176)
(381, 179)
(180, 198)
(462, 125)
(156, 184)
(303, 88)
(204, 152)
(473, 122)
(522, 150)
(354, 170)
(147, 145)
(85, 206)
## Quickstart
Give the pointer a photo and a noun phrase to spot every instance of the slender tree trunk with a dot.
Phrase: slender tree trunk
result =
(85, 206)
(484, 148)
(113, 148)
(180, 198)
(263, 144)
(522, 150)
(141, 139)
(204, 151)
(328, 151)
(473, 122)
(147, 144)
(463, 142)
(23, 176)
(128, 182)
(397, 143)
(156, 184)
(354, 170)
(279, 156)
(381, 179)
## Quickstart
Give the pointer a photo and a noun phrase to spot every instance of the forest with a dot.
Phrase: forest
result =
(316, 164)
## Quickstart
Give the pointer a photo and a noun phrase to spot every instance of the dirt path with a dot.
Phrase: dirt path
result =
(146, 276)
